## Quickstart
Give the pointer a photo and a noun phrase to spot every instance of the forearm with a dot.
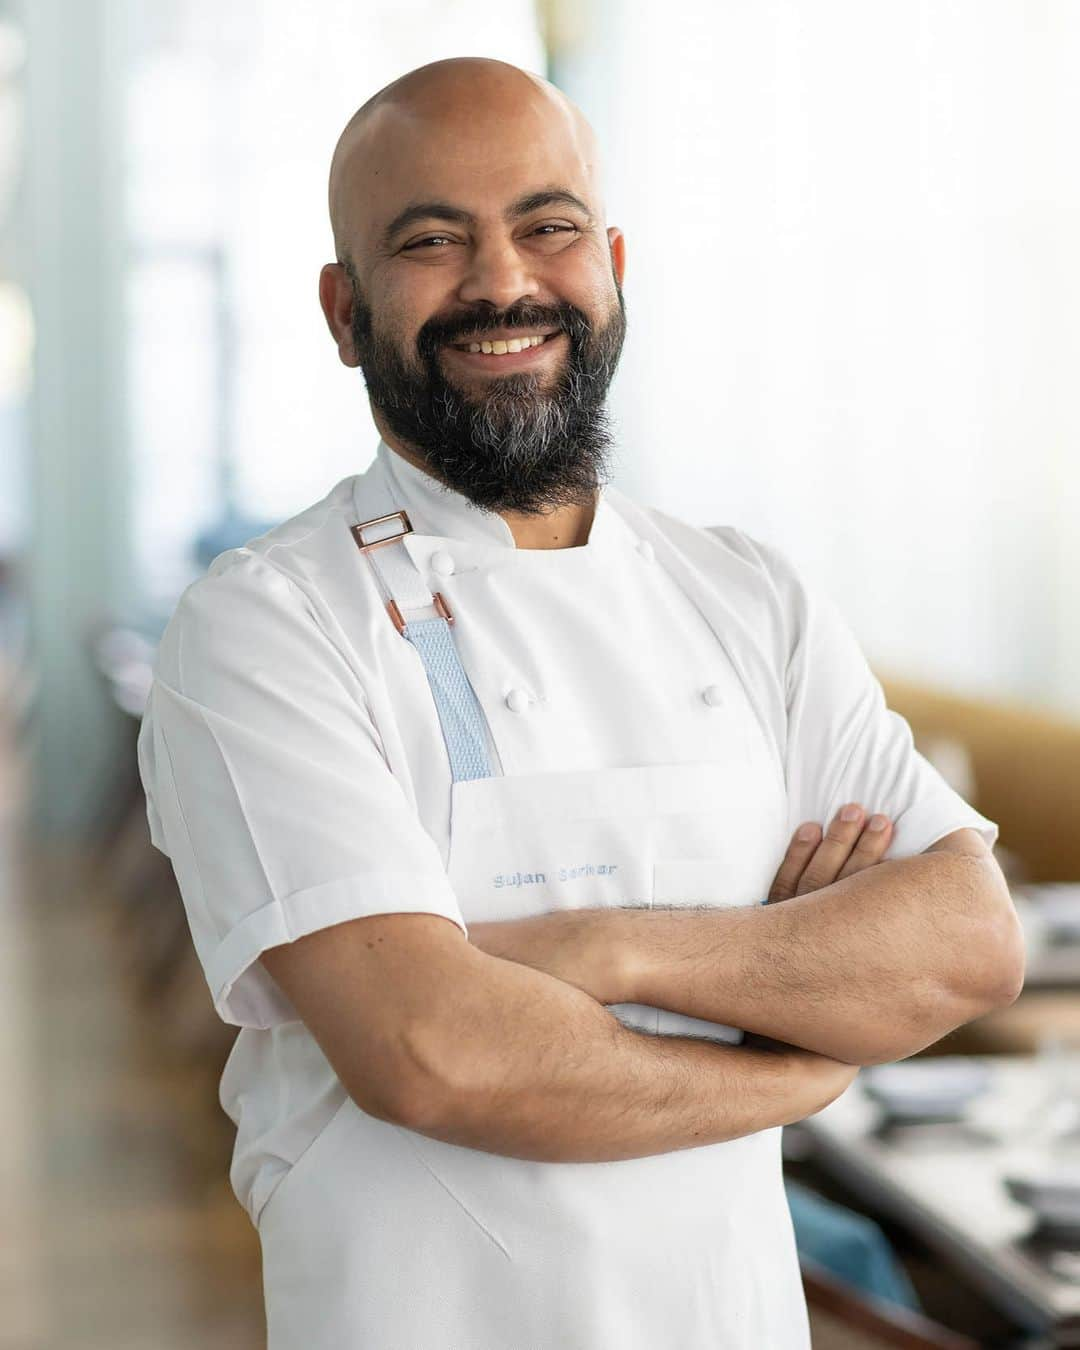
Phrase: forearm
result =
(532, 1067)
(871, 968)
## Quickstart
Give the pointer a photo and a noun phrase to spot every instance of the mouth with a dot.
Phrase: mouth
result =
(506, 351)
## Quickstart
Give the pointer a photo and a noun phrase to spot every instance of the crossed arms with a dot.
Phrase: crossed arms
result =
(503, 1043)
(875, 966)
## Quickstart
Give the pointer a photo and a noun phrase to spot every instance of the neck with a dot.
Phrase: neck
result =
(561, 527)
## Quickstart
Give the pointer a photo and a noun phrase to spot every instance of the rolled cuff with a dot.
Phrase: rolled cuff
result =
(926, 822)
(244, 992)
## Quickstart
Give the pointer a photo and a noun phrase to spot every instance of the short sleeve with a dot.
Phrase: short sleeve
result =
(843, 743)
(267, 787)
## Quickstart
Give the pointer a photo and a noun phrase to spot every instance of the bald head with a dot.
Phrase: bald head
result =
(477, 284)
(455, 124)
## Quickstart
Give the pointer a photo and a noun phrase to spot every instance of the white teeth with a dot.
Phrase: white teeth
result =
(501, 348)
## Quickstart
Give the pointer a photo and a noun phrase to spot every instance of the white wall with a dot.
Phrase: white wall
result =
(853, 289)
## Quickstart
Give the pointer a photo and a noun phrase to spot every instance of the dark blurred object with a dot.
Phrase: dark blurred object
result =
(841, 1319)
(20, 678)
(150, 923)
(944, 1188)
(849, 1246)
(123, 658)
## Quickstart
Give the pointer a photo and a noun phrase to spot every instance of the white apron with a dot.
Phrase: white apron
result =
(380, 1238)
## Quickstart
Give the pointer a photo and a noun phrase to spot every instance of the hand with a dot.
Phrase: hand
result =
(848, 846)
(571, 944)
(824, 1079)
(811, 862)
(578, 946)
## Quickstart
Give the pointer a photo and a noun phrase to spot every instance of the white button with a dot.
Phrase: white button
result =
(646, 550)
(713, 695)
(442, 563)
(517, 700)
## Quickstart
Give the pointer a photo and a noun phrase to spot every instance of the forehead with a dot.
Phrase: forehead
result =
(479, 159)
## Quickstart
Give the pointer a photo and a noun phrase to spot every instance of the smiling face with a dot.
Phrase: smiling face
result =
(478, 288)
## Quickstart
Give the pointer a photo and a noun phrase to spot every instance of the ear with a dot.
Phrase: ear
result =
(617, 245)
(336, 298)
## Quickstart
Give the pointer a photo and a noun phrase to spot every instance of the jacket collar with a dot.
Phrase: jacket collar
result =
(435, 509)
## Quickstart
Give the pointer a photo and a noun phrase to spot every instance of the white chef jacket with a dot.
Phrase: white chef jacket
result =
(296, 775)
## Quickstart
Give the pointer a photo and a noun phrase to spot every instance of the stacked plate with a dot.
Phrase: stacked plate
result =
(1057, 909)
(1053, 1195)
(925, 1089)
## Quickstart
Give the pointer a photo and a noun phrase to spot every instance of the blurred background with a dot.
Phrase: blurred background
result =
(853, 291)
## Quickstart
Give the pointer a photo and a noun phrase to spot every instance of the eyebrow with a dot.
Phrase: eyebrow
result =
(532, 201)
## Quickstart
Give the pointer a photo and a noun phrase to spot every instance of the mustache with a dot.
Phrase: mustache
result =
(522, 318)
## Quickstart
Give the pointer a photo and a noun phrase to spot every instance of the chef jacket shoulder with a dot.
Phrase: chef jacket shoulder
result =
(812, 686)
(775, 607)
(268, 777)
(761, 589)
(287, 581)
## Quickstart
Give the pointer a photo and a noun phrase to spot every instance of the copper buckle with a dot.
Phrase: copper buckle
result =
(357, 531)
(441, 607)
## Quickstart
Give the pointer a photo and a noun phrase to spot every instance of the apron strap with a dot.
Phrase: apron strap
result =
(410, 603)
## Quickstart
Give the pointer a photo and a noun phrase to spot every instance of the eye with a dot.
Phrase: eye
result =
(431, 238)
(550, 230)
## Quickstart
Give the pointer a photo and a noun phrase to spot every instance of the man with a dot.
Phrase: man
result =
(473, 775)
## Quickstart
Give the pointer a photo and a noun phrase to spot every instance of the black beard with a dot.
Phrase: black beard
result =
(517, 446)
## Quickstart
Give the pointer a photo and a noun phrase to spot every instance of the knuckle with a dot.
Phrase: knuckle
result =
(863, 856)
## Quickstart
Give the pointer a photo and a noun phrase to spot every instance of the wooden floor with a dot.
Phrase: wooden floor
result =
(116, 1235)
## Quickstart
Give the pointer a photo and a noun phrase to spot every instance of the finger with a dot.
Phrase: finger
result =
(870, 847)
(801, 849)
(834, 850)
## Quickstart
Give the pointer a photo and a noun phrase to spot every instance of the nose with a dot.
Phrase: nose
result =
(498, 274)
